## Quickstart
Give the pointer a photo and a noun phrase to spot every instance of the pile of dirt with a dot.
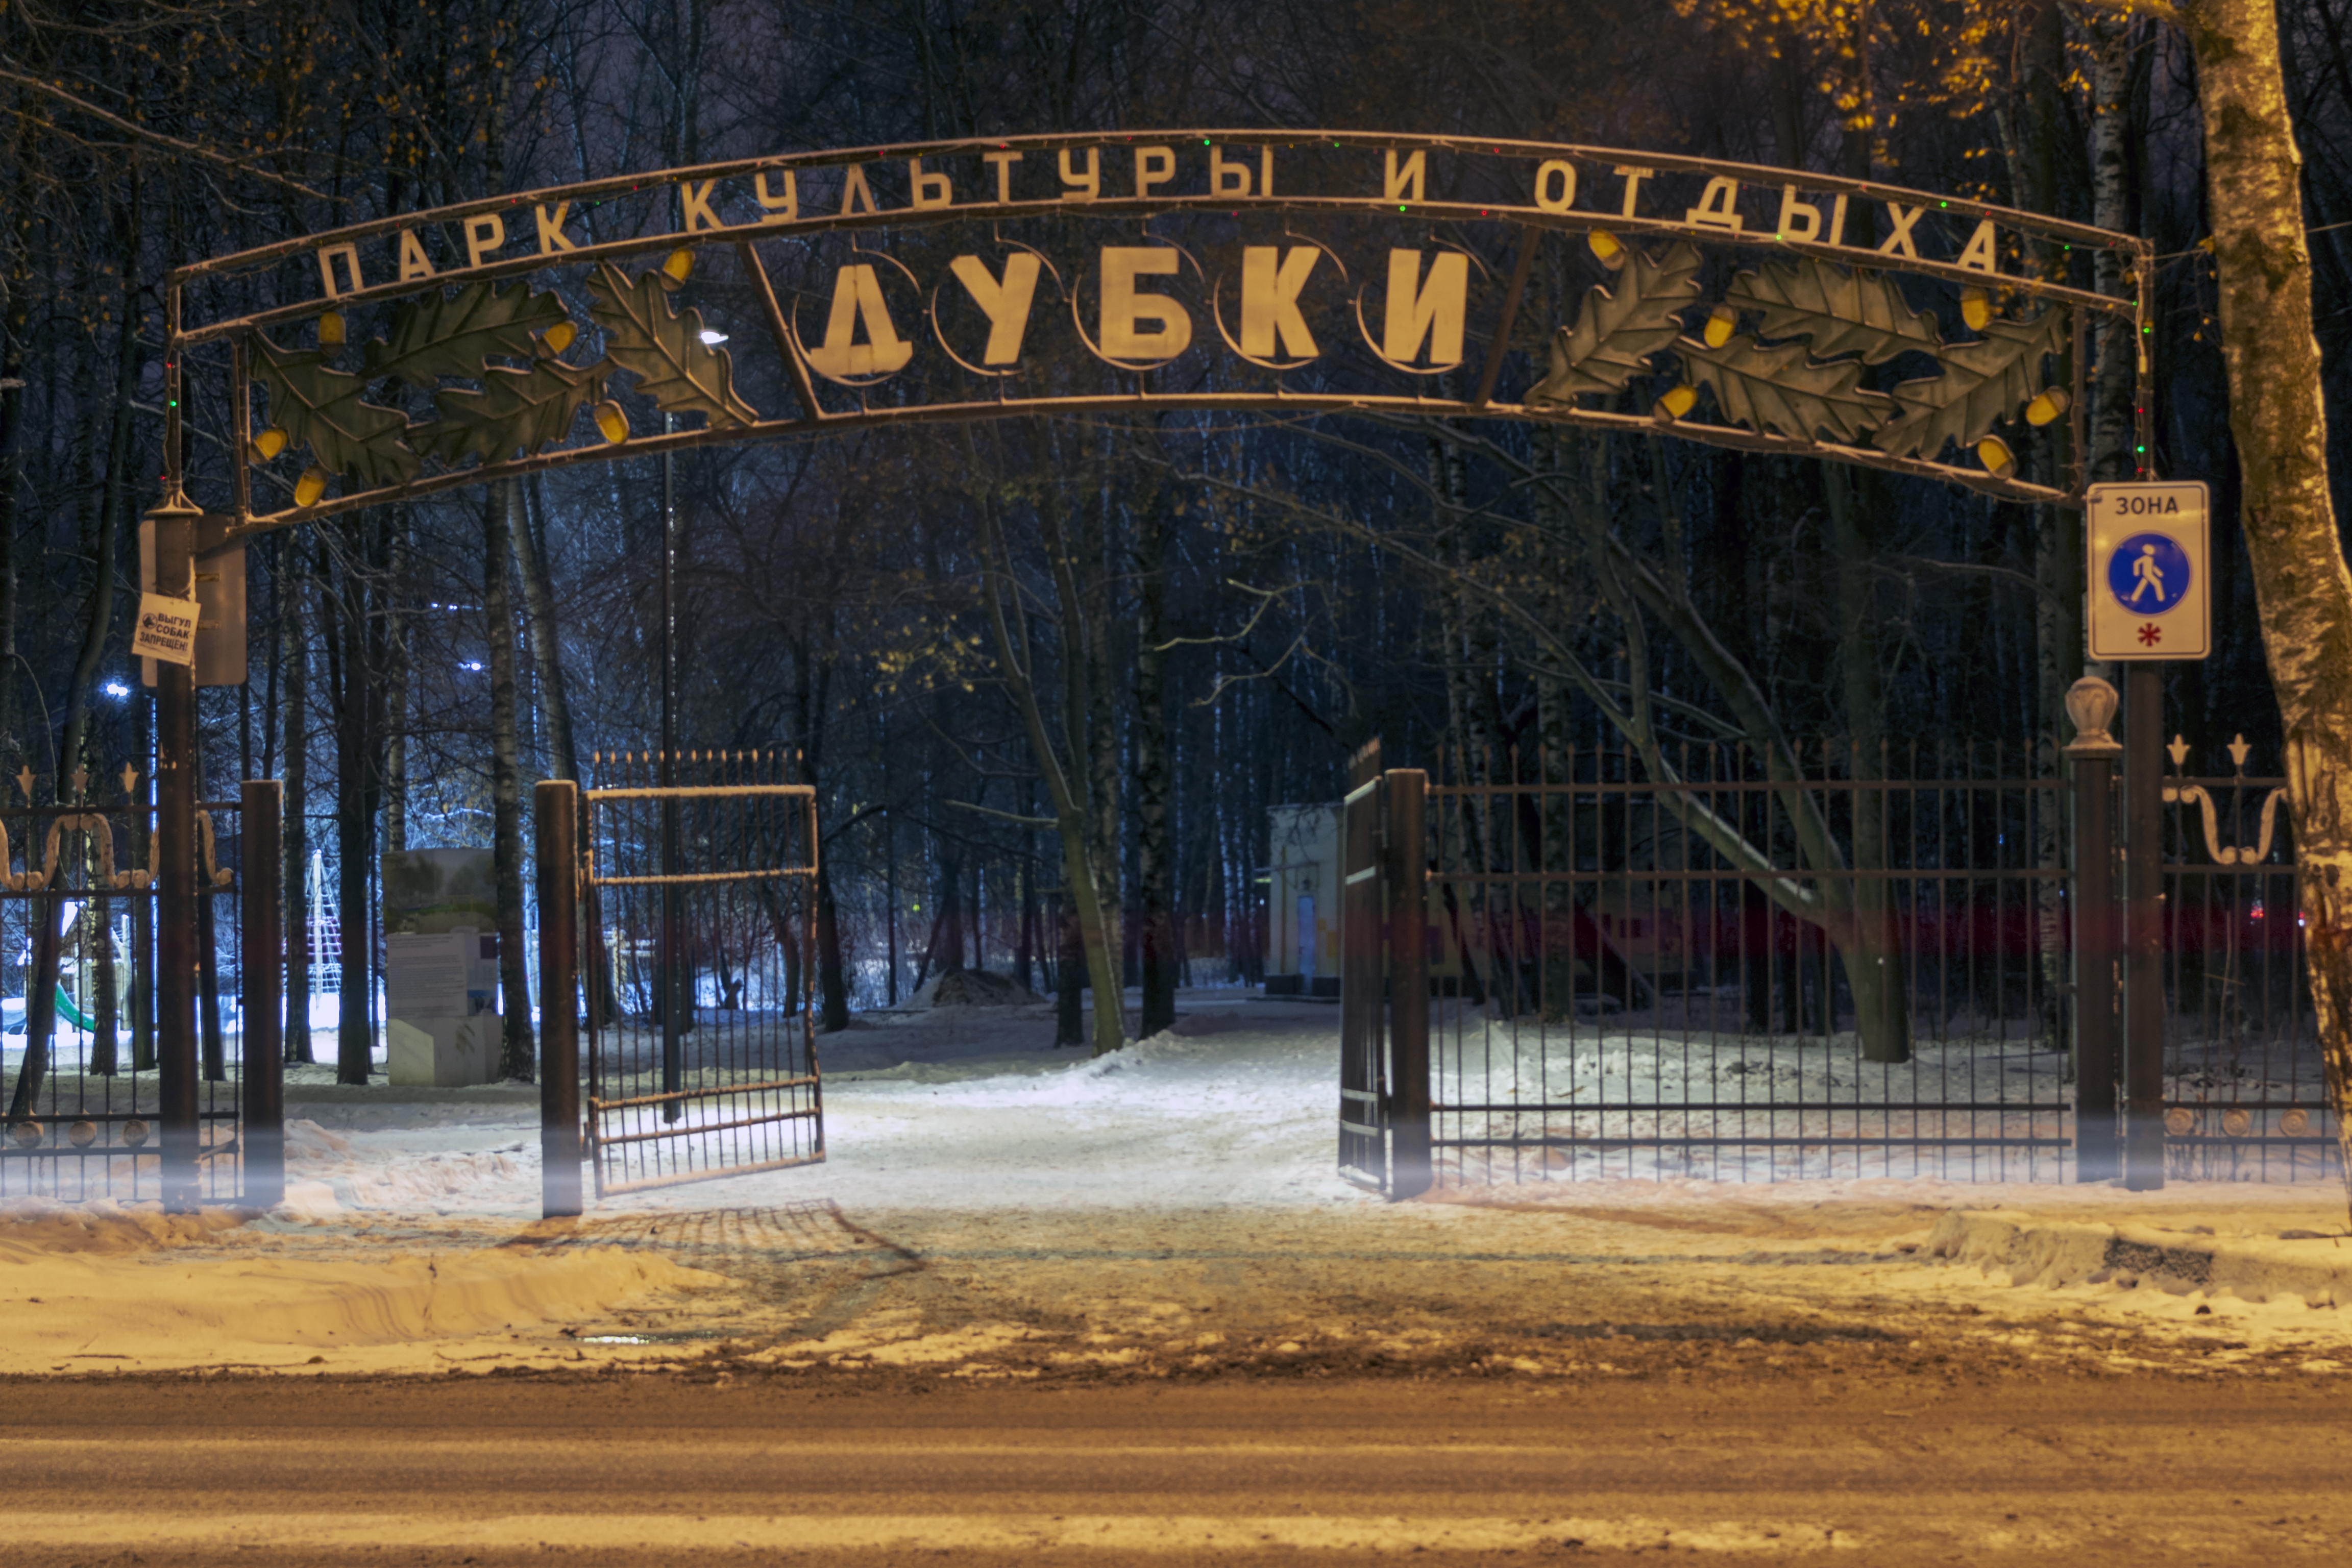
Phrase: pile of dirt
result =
(978, 988)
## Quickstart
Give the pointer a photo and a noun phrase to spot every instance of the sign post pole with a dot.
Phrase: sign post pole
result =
(2144, 928)
(2149, 605)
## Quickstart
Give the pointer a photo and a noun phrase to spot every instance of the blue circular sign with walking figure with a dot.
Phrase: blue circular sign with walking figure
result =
(2149, 574)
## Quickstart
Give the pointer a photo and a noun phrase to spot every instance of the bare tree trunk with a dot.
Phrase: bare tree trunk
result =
(1099, 734)
(546, 644)
(2115, 349)
(398, 671)
(346, 638)
(516, 1056)
(1065, 770)
(2279, 420)
(113, 491)
(1156, 861)
(1872, 943)
(292, 587)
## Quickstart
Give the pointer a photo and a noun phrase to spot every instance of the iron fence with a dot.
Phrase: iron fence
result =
(1721, 972)
(2245, 1086)
(84, 1078)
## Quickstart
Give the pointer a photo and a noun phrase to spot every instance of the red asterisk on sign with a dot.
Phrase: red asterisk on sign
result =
(2150, 635)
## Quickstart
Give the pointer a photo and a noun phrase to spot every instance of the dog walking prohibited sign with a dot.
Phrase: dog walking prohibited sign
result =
(2149, 572)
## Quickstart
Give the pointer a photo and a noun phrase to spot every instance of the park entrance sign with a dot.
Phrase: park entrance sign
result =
(1138, 274)
(1140, 277)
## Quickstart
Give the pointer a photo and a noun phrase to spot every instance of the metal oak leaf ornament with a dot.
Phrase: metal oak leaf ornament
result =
(1782, 388)
(440, 335)
(1983, 382)
(665, 351)
(517, 410)
(1616, 332)
(1839, 311)
(325, 408)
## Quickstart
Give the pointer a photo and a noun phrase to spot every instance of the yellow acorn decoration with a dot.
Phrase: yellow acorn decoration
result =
(1994, 453)
(1976, 308)
(310, 487)
(1720, 323)
(1606, 247)
(1675, 404)
(330, 328)
(611, 422)
(2047, 405)
(678, 268)
(267, 445)
(559, 337)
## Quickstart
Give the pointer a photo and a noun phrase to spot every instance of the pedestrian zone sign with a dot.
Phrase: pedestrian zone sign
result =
(2149, 572)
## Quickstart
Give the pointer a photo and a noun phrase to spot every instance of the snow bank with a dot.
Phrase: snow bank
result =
(110, 1288)
(2311, 1269)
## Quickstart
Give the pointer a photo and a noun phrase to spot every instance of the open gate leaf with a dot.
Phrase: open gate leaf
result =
(1983, 382)
(1841, 312)
(1782, 388)
(439, 334)
(665, 351)
(323, 407)
(1616, 331)
(515, 411)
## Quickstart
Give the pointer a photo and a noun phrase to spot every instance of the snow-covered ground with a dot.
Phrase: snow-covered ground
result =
(1185, 1183)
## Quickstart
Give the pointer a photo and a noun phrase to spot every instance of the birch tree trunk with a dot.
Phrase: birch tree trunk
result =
(2280, 424)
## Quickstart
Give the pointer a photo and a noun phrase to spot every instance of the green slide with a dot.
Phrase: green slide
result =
(73, 1015)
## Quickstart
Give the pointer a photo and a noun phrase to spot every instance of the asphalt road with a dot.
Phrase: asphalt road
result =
(1876, 1464)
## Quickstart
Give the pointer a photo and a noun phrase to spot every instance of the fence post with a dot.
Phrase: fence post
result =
(556, 806)
(2091, 705)
(2144, 931)
(1406, 919)
(262, 966)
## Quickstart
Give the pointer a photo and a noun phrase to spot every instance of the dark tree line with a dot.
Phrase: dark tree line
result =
(1004, 653)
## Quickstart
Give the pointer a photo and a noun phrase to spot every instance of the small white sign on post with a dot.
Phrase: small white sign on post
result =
(2149, 572)
(167, 629)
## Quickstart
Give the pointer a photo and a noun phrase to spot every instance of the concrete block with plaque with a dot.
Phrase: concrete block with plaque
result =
(441, 967)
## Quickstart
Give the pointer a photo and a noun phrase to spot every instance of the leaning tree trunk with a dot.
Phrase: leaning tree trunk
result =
(2279, 423)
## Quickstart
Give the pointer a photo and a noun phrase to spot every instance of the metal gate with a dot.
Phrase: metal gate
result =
(701, 949)
(1383, 981)
(95, 1105)
(1608, 989)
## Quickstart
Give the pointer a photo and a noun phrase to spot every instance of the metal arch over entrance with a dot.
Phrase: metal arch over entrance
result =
(1136, 274)
(1194, 290)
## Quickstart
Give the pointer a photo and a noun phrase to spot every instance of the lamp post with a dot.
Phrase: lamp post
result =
(670, 978)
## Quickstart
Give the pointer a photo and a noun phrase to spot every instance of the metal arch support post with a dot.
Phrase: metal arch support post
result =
(262, 961)
(556, 807)
(175, 912)
(2144, 928)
